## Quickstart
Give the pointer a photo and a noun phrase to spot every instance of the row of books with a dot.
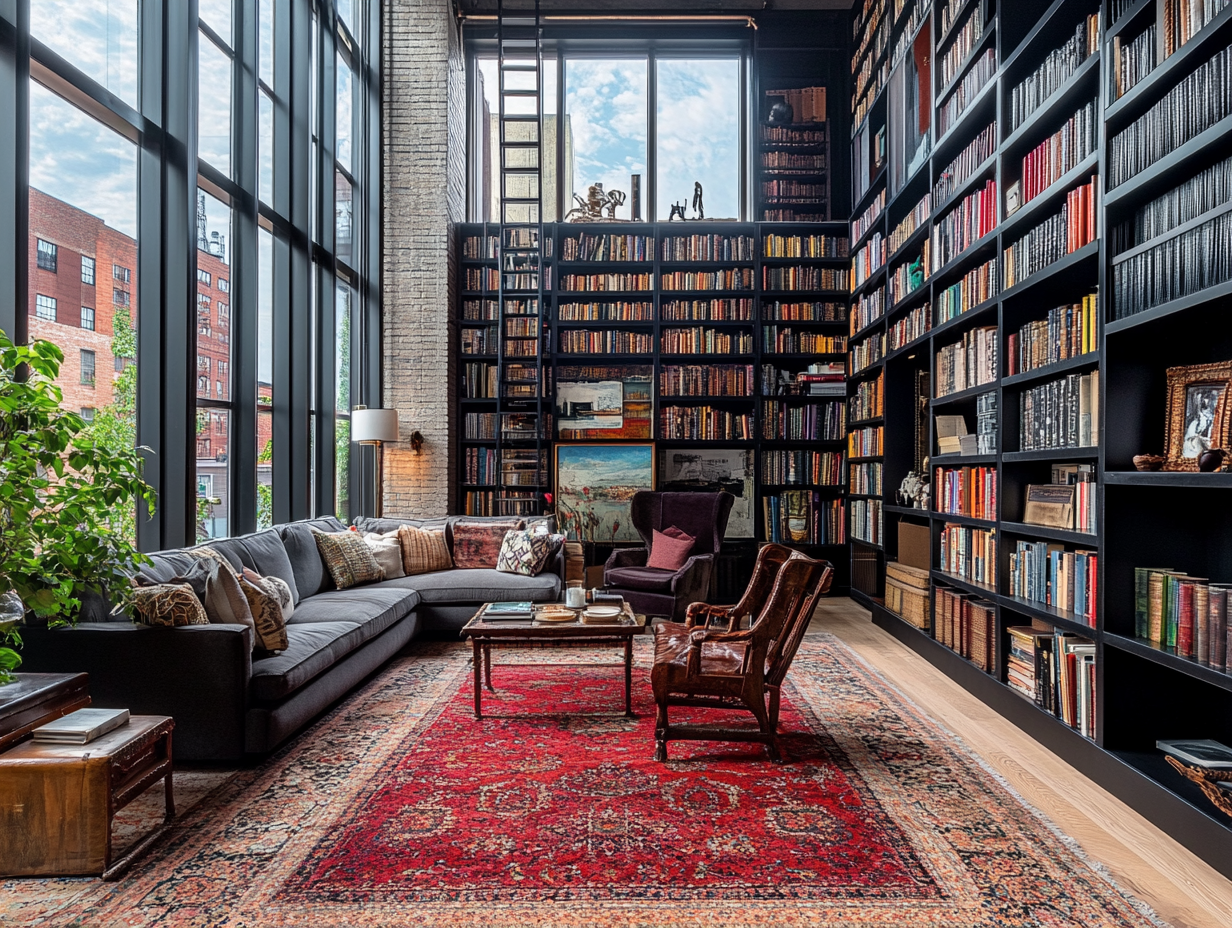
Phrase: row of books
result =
(814, 311)
(611, 247)
(1054, 238)
(480, 426)
(525, 280)
(791, 161)
(706, 380)
(1193, 261)
(869, 259)
(707, 248)
(867, 353)
(808, 104)
(980, 75)
(973, 218)
(704, 423)
(606, 341)
(986, 423)
(1054, 71)
(478, 380)
(522, 327)
(738, 310)
(970, 553)
(803, 422)
(967, 363)
(909, 276)
(866, 520)
(978, 285)
(867, 309)
(802, 246)
(1208, 189)
(796, 215)
(961, 43)
(965, 163)
(792, 190)
(1132, 61)
(479, 503)
(735, 278)
(1183, 19)
(615, 283)
(966, 491)
(1189, 614)
(823, 378)
(866, 442)
(868, 402)
(1056, 671)
(1062, 413)
(706, 341)
(947, 13)
(480, 310)
(804, 278)
(817, 468)
(966, 624)
(1047, 573)
(790, 135)
(907, 328)
(785, 340)
(865, 479)
(907, 226)
(522, 349)
(804, 517)
(476, 247)
(608, 312)
(1068, 332)
(871, 214)
(478, 341)
(482, 278)
(1060, 153)
(1191, 107)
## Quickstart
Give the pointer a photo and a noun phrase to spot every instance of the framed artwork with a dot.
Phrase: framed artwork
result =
(594, 485)
(577, 385)
(590, 404)
(1197, 413)
(708, 470)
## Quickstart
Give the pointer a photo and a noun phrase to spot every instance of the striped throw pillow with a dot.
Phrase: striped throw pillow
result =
(423, 550)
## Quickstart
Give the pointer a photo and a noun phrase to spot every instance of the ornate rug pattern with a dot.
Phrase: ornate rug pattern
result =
(399, 808)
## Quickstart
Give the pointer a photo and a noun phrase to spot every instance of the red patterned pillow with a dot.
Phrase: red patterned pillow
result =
(669, 550)
(478, 544)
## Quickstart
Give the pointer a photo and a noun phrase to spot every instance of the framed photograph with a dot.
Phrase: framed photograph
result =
(595, 483)
(584, 398)
(1197, 413)
(708, 470)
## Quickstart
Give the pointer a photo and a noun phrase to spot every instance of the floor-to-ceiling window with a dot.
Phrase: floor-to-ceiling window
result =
(180, 182)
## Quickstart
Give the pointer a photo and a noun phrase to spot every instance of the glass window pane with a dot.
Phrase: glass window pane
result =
(217, 15)
(343, 202)
(213, 498)
(102, 40)
(346, 13)
(265, 146)
(698, 133)
(265, 469)
(342, 469)
(342, 346)
(605, 128)
(265, 319)
(265, 53)
(214, 107)
(343, 148)
(213, 300)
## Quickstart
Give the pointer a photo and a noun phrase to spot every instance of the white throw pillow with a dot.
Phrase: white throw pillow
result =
(388, 553)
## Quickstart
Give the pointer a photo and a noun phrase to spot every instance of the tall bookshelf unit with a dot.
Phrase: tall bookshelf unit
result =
(986, 271)
(763, 301)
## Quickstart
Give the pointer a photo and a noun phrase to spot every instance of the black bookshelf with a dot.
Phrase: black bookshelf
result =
(1142, 691)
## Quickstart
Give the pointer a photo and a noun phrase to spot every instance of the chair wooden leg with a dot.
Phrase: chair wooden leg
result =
(660, 753)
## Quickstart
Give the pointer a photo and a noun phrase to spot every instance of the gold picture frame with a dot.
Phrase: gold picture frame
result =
(1197, 413)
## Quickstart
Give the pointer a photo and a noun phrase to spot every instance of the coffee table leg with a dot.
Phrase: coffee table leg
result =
(628, 676)
(478, 662)
(487, 666)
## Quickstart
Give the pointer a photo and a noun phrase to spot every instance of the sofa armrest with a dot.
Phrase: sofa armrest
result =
(197, 674)
(558, 565)
(627, 557)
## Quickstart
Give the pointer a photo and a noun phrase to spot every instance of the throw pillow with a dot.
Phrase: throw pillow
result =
(169, 605)
(277, 587)
(524, 553)
(265, 602)
(348, 558)
(478, 544)
(388, 553)
(225, 602)
(423, 550)
(669, 551)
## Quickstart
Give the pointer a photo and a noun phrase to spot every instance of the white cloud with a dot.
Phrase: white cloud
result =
(98, 36)
(699, 134)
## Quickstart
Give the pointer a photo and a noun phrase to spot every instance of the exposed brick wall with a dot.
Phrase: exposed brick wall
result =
(423, 141)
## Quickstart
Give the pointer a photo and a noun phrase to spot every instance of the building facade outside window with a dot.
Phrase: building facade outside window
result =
(47, 256)
(121, 273)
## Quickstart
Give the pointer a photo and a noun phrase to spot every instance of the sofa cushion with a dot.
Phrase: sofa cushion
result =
(311, 577)
(478, 585)
(348, 559)
(524, 552)
(388, 553)
(165, 566)
(267, 555)
(265, 602)
(372, 608)
(423, 551)
(233, 550)
(312, 648)
(368, 524)
(650, 579)
(669, 549)
(478, 544)
(169, 604)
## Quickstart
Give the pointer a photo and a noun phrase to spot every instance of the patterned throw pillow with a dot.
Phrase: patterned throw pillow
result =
(423, 550)
(169, 605)
(278, 588)
(478, 544)
(524, 553)
(388, 553)
(265, 602)
(348, 558)
(225, 602)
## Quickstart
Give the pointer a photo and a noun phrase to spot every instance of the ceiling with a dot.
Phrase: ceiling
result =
(662, 6)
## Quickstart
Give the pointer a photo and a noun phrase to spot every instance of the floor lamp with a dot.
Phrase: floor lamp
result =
(374, 427)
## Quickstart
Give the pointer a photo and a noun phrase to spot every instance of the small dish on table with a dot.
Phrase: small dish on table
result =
(556, 613)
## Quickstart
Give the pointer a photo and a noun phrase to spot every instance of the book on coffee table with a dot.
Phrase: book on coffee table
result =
(82, 726)
(509, 611)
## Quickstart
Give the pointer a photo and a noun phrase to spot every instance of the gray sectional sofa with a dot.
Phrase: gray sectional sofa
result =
(228, 704)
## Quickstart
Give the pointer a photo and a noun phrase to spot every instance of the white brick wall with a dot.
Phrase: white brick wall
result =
(423, 141)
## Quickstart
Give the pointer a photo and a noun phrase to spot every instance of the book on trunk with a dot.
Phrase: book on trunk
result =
(82, 726)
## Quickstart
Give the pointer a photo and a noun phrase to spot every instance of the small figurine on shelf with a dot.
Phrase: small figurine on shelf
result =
(677, 211)
(698, 207)
(780, 114)
(913, 491)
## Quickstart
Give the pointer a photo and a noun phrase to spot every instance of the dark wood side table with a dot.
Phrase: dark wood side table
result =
(57, 801)
(35, 699)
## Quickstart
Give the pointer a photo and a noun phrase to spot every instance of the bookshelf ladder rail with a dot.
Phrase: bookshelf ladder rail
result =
(521, 290)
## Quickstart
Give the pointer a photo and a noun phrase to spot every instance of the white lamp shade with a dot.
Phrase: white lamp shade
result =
(374, 425)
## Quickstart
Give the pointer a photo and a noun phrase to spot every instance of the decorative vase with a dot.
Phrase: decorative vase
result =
(1211, 461)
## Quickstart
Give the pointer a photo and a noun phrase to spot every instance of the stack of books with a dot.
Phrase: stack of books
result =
(1056, 671)
(81, 727)
(952, 437)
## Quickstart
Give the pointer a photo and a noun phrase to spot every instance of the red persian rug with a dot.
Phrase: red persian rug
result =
(401, 809)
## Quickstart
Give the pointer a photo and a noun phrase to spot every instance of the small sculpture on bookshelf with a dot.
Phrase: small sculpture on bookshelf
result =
(1148, 462)
(913, 491)
(780, 114)
(1212, 460)
(677, 212)
(698, 205)
(590, 208)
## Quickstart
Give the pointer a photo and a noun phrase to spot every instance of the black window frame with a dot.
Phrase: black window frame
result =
(92, 317)
(47, 255)
(93, 269)
(93, 366)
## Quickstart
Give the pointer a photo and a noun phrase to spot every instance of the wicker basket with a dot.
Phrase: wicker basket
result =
(907, 593)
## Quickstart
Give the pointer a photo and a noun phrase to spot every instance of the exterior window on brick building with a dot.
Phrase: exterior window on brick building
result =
(87, 270)
(222, 284)
(45, 307)
(203, 364)
(46, 256)
(120, 297)
(87, 367)
(203, 386)
(219, 389)
(87, 413)
(204, 277)
(119, 272)
(87, 318)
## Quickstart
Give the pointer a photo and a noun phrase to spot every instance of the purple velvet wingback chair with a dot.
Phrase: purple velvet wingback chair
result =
(665, 592)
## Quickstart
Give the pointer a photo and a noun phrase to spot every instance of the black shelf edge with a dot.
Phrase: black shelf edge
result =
(1053, 534)
(971, 586)
(1127, 17)
(1051, 454)
(977, 51)
(861, 423)
(1050, 194)
(868, 282)
(952, 132)
(965, 187)
(939, 460)
(1087, 252)
(614, 324)
(959, 519)
(866, 198)
(867, 330)
(1188, 479)
(744, 398)
(912, 345)
(873, 368)
(836, 487)
(843, 294)
(584, 263)
(1057, 101)
(867, 544)
(708, 442)
(961, 395)
(855, 244)
(1175, 161)
(911, 296)
(975, 311)
(1025, 44)
(1156, 313)
(1166, 657)
(920, 232)
(1068, 621)
(1172, 233)
(865, 459)
(975, 250)
(906, 511)
(1049, 371)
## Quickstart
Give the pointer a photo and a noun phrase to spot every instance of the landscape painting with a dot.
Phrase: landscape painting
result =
(594, 486)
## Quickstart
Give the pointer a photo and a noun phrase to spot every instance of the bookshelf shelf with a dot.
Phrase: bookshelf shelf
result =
(980, 103)
(907, 511)
(975, 313)
(958, 519)
(1051, 454)
(1067, 621)
(960, 17)
(981, 173)
(960, 396)
(1165, 171)
(868, 283)
(1164, 310)
(1166, 657)
(1052, 371)
(1035, 207)
(962, 583)
(988, 37)
(948, 460)
(956, 266)
(1185, 479)
(1067, 98)
(1087, 252)
(1128, 18)
(1052, 534)
(909, 243)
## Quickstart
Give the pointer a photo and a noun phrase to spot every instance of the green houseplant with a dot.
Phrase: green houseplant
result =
(64, 496)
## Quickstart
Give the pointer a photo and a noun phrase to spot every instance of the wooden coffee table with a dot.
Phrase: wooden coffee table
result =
(530, 633)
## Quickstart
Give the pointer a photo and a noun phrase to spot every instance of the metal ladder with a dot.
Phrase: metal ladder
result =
(524, 426)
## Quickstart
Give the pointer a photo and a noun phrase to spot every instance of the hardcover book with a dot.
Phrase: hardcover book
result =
(1051, 505)
(82, 726)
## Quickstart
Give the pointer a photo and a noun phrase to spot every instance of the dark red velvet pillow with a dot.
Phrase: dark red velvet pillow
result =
(669, 549)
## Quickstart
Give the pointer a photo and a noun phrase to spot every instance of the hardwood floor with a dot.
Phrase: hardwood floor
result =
(1183, 890)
